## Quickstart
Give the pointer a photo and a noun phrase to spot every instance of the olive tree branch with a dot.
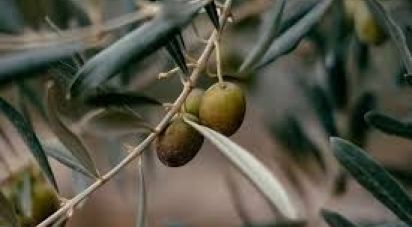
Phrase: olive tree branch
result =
(137, 151)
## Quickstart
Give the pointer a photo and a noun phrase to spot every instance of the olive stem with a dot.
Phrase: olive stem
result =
(218, 62)
(171, 72)
(137, 151)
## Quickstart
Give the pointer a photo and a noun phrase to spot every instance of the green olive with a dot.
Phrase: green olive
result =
(223, 107)
(44, 202)
(366, 27)
(179, 142)
(192, 102)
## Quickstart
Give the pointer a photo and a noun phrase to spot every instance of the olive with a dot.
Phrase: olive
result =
(223, 107)
(366, 27)
(44, 202)
(179, 142)
(192, 102)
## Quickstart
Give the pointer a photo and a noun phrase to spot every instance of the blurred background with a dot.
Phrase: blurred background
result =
(320, 89)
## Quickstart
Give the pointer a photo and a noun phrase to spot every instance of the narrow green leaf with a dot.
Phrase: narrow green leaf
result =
(61, 154)
(113, 122)
(270, 30)
(294, 11)
(395, 32)
(336, 220)
(174, 50)
(29, 137)
(141, 203)
(34, 97)
(67, 137)
(7, 211)
(374, 178)
(133, 46)
(22, 64)
(290, 133)
(181, 40)
(120, 99)
(337, 81)
(253, 169)
(358, 128)
(404, 176)
(389, 124)
(212, 13)
(288, 40)
(323, 108)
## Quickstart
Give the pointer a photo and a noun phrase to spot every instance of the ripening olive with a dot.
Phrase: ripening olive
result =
(223, 107)
(44, 202)
(179, 142)
(192, 102)
(366, 27)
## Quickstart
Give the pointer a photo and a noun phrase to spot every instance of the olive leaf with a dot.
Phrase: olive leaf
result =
(358, 128)
(135, 45)
(35, 98)
(361, 55)
(323, 108)
(389, 125)
(294, 11)
(120, 99)
(253, 169)
(22, 64)
(141, 204)
(373, 177)
(61, 154)
(174, 50)
(7, 212)
(68, 138)
(288, 40)
(212, 13)
(29, 137)
(270, 31)
(335, 219)
(395, 32)
(290, 133)
(335, 63)
(115, 122)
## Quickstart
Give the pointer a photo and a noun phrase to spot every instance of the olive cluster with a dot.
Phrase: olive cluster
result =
(366, 27)
(221, 108)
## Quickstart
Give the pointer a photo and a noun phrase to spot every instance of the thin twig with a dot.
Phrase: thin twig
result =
(137, 151)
